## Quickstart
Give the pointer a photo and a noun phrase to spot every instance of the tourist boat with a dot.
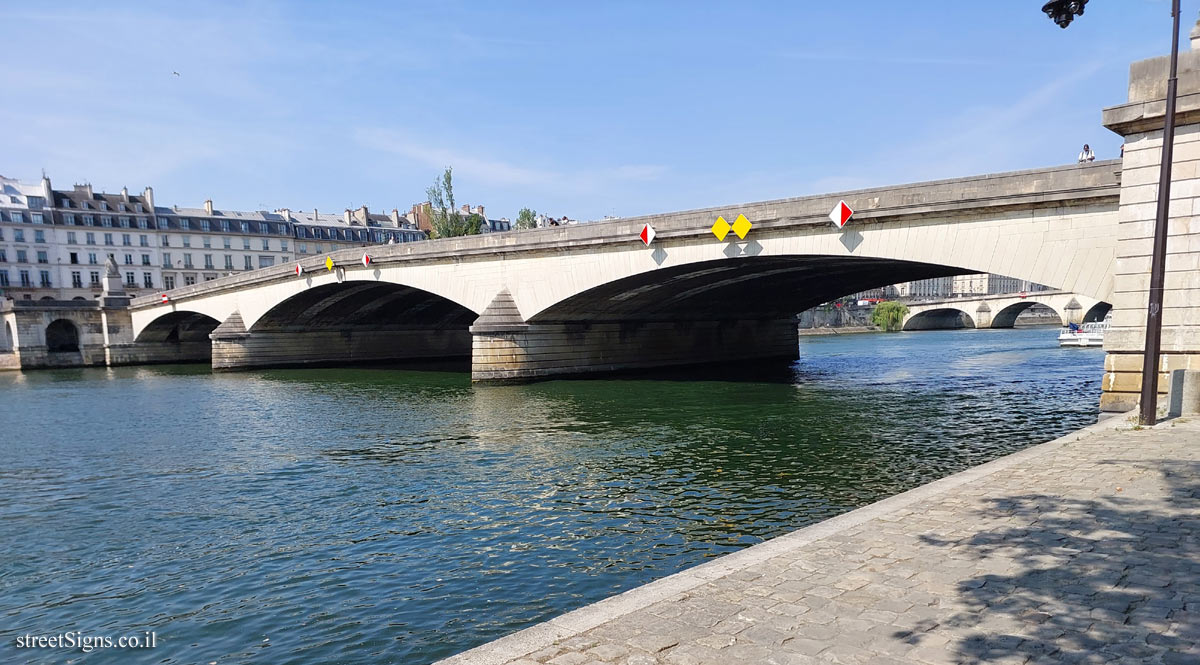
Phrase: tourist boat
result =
(1089, 334)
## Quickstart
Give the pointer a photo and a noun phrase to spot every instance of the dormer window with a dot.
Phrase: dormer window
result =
(104, 205)
(121, 207)
(137, 207)
(66, 203)
(183, 223)
(83, 204)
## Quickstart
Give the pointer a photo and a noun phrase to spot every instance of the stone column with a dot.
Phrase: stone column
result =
(1140, 122)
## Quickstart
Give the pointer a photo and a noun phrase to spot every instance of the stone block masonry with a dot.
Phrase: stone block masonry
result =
(1081, 550)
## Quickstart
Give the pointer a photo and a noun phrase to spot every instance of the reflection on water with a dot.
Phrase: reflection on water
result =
(375, 515)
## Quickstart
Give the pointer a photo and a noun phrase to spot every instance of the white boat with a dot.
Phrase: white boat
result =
(1089, 334)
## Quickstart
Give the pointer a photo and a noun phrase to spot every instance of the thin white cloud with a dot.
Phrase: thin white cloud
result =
(501, 173)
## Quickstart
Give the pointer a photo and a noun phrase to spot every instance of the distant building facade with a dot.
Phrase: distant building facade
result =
(54, 243)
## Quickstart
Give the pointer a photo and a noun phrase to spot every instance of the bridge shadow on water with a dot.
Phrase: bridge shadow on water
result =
(1099, 580)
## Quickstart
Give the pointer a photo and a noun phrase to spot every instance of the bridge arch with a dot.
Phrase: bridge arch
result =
(178, 327)
(945, 318)
(1007, 316)
(62, 336)
(1097, 312)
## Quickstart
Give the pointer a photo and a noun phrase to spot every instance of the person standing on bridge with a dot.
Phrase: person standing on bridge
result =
(1086, 155)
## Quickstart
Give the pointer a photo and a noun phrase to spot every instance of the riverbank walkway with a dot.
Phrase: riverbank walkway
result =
(1082, 550)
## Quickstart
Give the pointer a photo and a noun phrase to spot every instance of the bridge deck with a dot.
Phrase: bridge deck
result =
(1079, 550)
(1097, 182)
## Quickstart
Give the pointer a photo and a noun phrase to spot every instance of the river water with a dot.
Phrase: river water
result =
(388, 516)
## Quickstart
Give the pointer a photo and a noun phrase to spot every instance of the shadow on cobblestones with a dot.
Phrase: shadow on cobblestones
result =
(1107, 579)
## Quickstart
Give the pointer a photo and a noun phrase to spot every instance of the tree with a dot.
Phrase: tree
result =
(889, 315)
(447, 221)
(526, 219)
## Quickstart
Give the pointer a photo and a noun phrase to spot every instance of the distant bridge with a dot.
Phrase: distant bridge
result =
(1001, 310)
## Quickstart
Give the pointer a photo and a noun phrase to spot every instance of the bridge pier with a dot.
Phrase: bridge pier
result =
(234, 348)
(1140, 122)
(507, 350)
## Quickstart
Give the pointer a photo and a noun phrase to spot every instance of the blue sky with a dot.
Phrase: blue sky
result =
(582, 109)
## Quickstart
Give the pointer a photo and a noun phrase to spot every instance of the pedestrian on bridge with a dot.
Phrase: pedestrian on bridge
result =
(1086, 155)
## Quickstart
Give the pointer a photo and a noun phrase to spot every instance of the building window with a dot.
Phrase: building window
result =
(76, 279)
(229, 262)
(163, 224)
(208, 277)
(168, 282)
(189, 280)
(225, 225)
(187, 241)
(166, 241)
(88, 220)
(44, 278)
(245, 243)
(39, 236)
(19, 235)
(16, 217)
(108, 239)
(121, 207)
(148, 280)
(204, 225)
(145, 259)
(124, 222)
(227, 242)
(166, 259)
(144, 240)
(138, 208)
(187, 260)
(3, 256)
(129, 259)
(283, 245)
(130, 279)
(71, 238)
(266, 261)
(207, 242)
(4, 277)
(69, 219)
(104, 205)
(74, 258)
(43, 257)
(126, 240)
(66, 203)
(208, 261)
(143, 223)
(245, 227)
(303, 247)
(22, 257)
(92, 258)
(91, 238)
(105, 220)
(95, 278)
(25, 281)
(266, 245)
(184, 224)
(249, 262)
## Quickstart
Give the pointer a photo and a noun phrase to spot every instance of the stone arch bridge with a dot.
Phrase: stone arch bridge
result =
(1001, 310)
(592, 297)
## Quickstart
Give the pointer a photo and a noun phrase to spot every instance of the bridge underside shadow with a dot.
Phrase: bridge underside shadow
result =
(710, 312)
(178, 337)
(345, 324)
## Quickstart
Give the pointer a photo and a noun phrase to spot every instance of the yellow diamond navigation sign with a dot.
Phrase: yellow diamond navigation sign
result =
(741, 226)
(720, 228)
(329, 263)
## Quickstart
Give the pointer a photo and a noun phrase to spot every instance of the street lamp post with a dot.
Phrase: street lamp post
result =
(1062, 12)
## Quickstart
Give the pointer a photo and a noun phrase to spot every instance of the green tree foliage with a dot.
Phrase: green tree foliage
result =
(526, 219)
(889, 315)
(445, 218)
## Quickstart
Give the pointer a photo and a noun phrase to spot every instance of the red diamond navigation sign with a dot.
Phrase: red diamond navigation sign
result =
(647, 234)
(366, 260)
(840, 214)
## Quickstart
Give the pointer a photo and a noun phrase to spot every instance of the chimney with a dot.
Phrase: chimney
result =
(395, 217)
(479, 211)
(314, 215)
(364, 215)
(285, 214)
(148, 194)
(466, 209)
(86, 188)
(125, 194)
(346, 216)
(208, 206)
